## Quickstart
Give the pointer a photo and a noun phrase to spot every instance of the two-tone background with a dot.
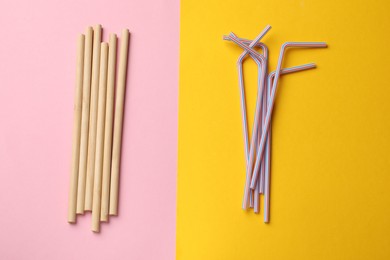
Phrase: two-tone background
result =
(183, 163)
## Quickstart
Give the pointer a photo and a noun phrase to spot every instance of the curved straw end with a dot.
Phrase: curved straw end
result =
(225, 38)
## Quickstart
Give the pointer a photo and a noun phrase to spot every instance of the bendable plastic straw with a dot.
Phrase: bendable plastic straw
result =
(263, 63)
(242, 93)
(268, 150)
(260, 149)
(286, 45)
(265, 102)
(260, 185)
(242, 89)
(267, 171)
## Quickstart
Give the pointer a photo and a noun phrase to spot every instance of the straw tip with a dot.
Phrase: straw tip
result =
(72, 221)
(80, 212)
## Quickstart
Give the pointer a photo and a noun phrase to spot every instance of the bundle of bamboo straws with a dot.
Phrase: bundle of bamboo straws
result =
(97, 132)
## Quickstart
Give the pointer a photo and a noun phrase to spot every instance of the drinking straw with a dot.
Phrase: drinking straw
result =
(256, 206)
(242, 89)
(267, 171)
(97, 32)
(264, 132)
(97, 188)
(257, 191)
(76, 130)
(260, 126)
(242, 93)
(260, 185)
(108, 129)
(263, 63)
(261, 180)
(267, 156)
(251, 199)
(118, 123)
(260, 150)
(234, 38)
(84, 121)
(265, 53)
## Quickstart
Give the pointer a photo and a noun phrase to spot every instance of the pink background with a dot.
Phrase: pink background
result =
(37, 80)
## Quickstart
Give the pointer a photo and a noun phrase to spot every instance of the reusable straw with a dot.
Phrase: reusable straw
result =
(97, 188)
(84, 121)
(262, 60)
(108, 129)
(97, 37)
(260, 150)
(76, 130)
(118, 123)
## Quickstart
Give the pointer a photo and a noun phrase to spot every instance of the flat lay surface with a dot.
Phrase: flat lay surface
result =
(183, 164)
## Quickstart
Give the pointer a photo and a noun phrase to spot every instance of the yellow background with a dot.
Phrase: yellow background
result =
(331, 132)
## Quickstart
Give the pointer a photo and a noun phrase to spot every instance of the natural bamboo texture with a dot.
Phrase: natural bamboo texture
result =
(97, 37)
(84, 121)
(118, 123)
(100, 139)
(108, 128)
(76, 130)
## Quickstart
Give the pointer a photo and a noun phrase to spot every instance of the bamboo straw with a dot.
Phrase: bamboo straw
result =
(76, 130)
(84, 121)
(118, 123)
(97, 188)
(108, 129)
(97, 32)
